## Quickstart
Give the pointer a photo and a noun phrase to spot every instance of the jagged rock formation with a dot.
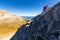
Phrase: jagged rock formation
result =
(43, 27)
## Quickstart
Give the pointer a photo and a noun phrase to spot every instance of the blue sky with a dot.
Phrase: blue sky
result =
(26, 7)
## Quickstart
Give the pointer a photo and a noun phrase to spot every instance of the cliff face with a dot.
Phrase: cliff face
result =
(45, 26)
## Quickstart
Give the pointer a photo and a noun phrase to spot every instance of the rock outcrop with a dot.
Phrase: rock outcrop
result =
(43, 27)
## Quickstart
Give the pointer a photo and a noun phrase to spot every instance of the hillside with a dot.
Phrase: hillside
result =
(9, 23)
(45, 26)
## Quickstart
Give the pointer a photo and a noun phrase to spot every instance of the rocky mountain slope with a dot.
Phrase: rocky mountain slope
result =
(9, 23)
(45, 26)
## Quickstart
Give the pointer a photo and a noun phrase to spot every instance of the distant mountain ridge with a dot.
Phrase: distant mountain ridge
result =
(43, 27)
(28, 17)
(9, 23)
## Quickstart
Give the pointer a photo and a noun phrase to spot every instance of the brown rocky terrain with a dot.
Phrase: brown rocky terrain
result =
(9, 23)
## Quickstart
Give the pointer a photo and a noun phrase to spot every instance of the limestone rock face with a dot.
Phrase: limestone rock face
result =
(43, 27)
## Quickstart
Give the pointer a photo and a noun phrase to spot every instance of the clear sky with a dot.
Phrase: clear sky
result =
(26, 7)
